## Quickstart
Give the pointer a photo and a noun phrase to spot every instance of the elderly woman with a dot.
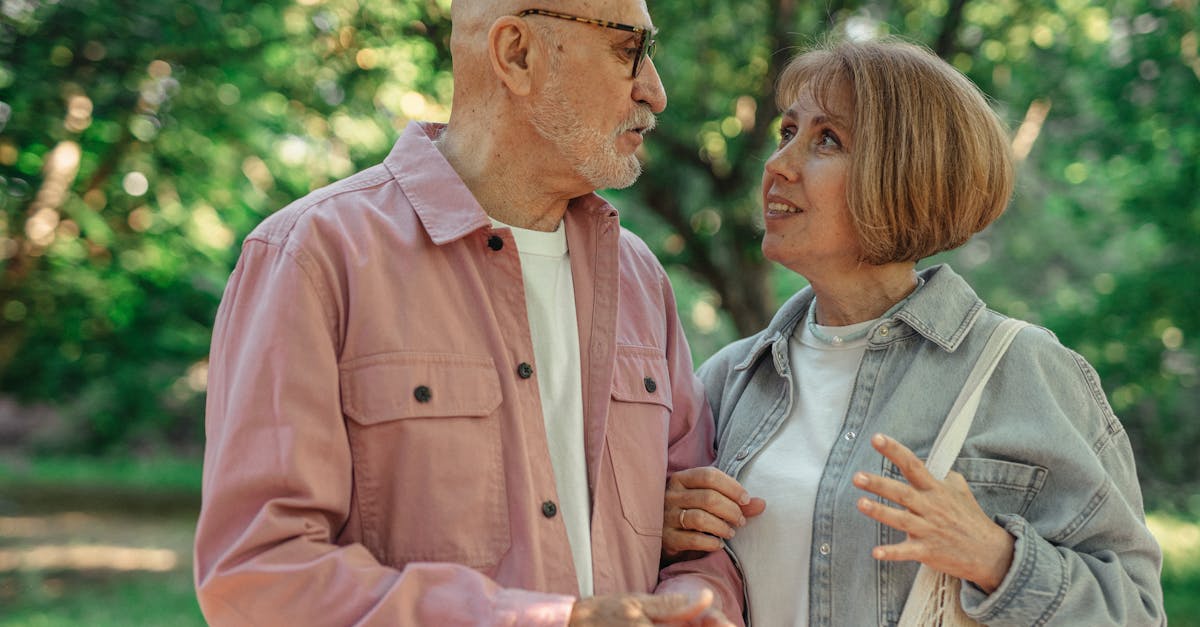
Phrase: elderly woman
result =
(888, 155)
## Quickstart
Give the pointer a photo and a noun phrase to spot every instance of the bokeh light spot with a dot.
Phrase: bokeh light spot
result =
(135, 184)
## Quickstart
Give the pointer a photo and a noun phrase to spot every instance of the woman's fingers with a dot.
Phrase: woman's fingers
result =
(710, 478)
(896, 518)
(676, 541)
(696, 519)
(890, 489)
(713, 492)
(909, 464)
(945, 526)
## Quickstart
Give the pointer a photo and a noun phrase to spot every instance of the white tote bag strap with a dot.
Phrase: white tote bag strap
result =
(934, 600)
(958, 422)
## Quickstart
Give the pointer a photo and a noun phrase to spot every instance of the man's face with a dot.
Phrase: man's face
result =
(590, 108)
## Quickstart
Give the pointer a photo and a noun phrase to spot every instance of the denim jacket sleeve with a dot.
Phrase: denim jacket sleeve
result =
(1083, 553)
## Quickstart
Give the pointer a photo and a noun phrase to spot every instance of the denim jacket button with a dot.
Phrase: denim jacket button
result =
(850, 435)
(824, 550)
(883, 331)
(740, 455)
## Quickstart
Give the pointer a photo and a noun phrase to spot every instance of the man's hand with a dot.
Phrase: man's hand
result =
(676, 609)
(702, 505)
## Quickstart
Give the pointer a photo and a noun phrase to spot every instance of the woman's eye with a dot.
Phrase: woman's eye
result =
(786, 134)
(829, 139)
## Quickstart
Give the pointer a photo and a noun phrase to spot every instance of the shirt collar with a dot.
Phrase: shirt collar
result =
(440, 198)
(944, 310)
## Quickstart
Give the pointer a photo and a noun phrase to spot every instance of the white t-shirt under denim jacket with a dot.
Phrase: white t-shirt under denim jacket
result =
(1046, 458)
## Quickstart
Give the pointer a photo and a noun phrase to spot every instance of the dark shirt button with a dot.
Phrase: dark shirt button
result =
(524, 370)
(495, 243)
(549, 509)
(650, 384)
(422, 394)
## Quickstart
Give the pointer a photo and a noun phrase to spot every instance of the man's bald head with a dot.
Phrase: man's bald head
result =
(473, 19)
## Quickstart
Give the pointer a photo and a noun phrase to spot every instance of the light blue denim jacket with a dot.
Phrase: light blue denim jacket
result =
(1046, 457)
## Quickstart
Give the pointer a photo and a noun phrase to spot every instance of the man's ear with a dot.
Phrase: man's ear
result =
(510, 47)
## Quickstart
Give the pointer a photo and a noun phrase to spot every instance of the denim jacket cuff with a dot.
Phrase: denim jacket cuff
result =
(1031, 589)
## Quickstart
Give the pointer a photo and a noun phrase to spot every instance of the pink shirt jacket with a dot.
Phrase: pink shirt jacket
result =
(376, 453)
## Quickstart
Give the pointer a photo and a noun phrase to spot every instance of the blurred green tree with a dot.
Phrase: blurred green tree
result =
(139, 143)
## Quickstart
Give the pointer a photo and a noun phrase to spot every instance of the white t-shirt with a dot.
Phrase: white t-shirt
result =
(550, 304)
(774, 547)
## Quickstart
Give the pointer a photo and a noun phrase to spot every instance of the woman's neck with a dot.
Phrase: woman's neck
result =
(865, 294)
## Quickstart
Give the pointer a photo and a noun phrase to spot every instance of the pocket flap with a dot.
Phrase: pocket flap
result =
(394, 386)
(640, 375)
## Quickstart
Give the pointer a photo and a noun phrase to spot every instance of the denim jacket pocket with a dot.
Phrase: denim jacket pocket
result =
(638, 434)
(423, 424)
(1000, 487)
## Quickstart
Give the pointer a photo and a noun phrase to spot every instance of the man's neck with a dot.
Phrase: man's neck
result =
(510, 187)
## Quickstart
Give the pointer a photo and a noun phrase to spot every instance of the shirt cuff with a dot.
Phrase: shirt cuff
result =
(1032, 587)
(536, 609)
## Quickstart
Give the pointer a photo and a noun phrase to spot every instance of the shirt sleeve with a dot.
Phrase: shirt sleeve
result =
(1083, 553)
(278, 476)
(692, 444)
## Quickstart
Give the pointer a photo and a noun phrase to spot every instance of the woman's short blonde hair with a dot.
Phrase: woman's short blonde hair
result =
(930, 161)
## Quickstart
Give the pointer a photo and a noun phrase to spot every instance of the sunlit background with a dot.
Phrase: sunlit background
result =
(141, 141)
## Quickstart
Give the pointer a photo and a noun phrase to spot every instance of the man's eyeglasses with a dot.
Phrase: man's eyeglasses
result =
(645, 46)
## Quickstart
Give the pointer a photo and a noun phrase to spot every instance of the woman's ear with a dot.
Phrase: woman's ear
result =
(510, 48)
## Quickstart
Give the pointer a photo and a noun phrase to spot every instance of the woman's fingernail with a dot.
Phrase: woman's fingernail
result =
(879, 439)
(744, 499)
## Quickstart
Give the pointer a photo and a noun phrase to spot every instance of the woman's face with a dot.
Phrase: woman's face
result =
(809, 226)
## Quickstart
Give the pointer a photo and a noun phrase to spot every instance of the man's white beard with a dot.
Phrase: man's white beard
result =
(593, 154)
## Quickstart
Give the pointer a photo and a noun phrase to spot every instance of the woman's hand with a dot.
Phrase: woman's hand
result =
(947, 530)
(704, 504)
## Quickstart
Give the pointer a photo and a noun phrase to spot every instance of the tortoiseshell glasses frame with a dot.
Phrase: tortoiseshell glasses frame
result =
(646, 43)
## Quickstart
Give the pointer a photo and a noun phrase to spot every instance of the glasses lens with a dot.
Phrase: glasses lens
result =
(645, 50)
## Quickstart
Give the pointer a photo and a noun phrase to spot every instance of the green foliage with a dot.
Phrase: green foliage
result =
(139, 143)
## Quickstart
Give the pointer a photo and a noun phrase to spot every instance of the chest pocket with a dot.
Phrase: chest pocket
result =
(428, 466)
(638, 434)
(1000, 487)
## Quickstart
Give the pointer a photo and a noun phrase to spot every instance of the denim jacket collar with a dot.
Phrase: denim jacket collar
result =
(942, 311)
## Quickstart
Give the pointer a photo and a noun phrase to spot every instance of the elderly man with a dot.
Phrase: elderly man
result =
(448, 390)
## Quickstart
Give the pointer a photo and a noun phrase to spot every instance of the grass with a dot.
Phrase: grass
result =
(59, 515)
(98, 599)
(151, 506)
